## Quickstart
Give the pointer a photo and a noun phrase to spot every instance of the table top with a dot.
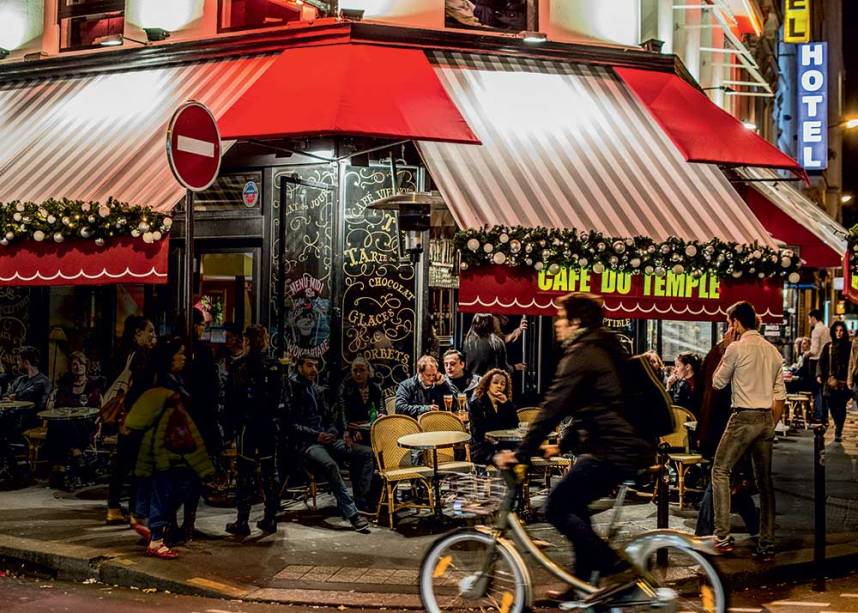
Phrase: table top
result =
(798, 397)
(69, 413)
(511, 435)
(15, 404)
(433, 440)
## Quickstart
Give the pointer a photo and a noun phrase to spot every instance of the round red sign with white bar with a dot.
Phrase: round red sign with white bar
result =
(193, 146)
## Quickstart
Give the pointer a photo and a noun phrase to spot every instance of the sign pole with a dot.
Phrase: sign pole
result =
(189, 263)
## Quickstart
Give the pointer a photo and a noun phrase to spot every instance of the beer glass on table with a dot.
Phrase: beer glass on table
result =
(448, 402)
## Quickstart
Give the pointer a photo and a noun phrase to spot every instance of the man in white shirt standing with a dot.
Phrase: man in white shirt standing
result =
(754, 369)
(819, 336)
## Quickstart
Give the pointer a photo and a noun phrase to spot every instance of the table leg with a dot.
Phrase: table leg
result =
(436, 483)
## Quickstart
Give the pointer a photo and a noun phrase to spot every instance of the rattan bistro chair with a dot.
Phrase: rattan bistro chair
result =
(682, 459)
(394, 462)
(526, 416)
(443, 421)
(390, 405)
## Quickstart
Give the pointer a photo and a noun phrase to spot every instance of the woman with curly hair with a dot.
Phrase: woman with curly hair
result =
(490, 408)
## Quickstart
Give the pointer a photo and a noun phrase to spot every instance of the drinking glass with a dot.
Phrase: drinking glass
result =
(448, 402)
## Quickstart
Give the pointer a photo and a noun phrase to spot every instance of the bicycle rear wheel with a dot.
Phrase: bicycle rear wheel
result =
(693, 580)
(455, 575)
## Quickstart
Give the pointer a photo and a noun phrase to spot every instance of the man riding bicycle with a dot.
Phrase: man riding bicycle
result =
(587, 387)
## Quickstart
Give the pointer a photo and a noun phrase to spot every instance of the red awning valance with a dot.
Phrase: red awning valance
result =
(701, 130)
(125, 260)
(519, 291)
(346, 88)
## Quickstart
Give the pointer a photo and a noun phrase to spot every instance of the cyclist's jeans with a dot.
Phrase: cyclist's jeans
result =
(754, 430)
(566, 509)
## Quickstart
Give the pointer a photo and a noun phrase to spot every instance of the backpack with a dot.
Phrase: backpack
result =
(178, 437)
(648, 408)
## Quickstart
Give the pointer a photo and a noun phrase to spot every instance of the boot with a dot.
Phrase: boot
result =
(239, 527)
(267, 525)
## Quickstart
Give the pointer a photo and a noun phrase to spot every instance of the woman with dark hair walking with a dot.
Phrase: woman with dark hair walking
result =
(832, 372)
(135, 347)
(484, 349)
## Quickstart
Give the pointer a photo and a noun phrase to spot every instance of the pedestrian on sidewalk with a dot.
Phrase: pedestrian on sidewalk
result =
(819, 336)
(135, 350)
(253, 403)
(714, 414)
(832, 373)
(172, 460)
(753, 368)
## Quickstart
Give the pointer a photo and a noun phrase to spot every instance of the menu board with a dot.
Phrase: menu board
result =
(308, 260)
(379, 298)
(14, 322)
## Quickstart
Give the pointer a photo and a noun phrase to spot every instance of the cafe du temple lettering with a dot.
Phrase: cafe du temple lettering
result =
(670, 285)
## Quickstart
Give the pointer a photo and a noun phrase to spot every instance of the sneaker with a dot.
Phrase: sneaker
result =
(725, 545)
(267, 525)
(238, 528)
(359, 523)
(116, 517)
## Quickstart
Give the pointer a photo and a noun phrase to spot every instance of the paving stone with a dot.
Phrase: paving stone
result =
(293, 573)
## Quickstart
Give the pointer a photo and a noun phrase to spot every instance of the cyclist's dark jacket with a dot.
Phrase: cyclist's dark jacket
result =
(587, 387)
(253, 393)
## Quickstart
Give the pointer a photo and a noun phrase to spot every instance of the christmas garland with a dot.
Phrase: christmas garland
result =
(551, 249)
(61, 220)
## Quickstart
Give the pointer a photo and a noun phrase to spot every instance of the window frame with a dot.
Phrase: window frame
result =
(222, 30)
(87, 9)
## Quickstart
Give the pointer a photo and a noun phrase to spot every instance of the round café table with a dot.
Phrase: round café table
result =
(68, 413)
(433, 441)
(11, 405)
(513, 435)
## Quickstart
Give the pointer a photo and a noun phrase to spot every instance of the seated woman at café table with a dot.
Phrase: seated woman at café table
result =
(76, 388)
(491, 408)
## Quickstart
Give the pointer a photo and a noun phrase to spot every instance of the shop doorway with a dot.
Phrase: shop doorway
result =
(227, 288)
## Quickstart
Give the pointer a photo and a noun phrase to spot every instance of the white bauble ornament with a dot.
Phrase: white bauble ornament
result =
(66, 221)
(635, 262)
(157, 236)
(786, 261)
(756, 254)
(99, 242)
(488, 247)
(514, 246)
(690, 250)
(463, 266)
(85, 207)
(143, 226)
(103, 211)
(147, 238)
(38, 236)
(497, 258)
(528, 261)
(665, 249)
(794, 277)
(761, 275)
(736, 274)
(472, 244)
(3, 242)
(10, 235)
(19, 207)
(678, 269)
(135, 233)
(539, 266)
(582, 262)
(91, 218)
(598, 268)
(659, 271)
(168, 222)
(58, 237)
(51, 219)
(504, 238)
(554, 269)
(649, 270)
(619, 246)
(85, 232)
(17, 217)
(613, 260)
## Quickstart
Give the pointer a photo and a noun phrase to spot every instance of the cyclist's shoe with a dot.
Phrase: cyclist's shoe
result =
(725, 545)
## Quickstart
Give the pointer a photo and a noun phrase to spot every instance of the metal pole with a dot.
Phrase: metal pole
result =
(281, 268)
(189, 263)
(819, 536)
(663, 500)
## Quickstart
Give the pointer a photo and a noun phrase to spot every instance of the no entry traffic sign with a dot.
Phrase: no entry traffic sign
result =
(193, 146)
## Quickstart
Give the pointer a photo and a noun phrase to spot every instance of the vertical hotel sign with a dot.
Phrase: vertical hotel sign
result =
(797, 21)
(813, 105)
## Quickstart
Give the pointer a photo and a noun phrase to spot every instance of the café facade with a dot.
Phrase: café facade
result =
(562, 167)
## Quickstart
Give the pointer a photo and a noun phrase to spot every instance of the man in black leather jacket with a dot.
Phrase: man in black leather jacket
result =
(587, 387)
(253, 401)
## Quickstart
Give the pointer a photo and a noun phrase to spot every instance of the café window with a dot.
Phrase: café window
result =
(681, 336)
(502, 15)
(237, 192)
(85, 24)
(251, 14)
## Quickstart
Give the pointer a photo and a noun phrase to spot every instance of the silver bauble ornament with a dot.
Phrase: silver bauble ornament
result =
(649, 270)
(678, 269)
(619, 247)
(463, 266)
(539, 266)
(598, 268)
(528, 261)
(650, 249)
(659, 271)
(690, 250)
(554, 268)
(665, 249)
(613, 260)
(58, 237)
(528, 248)
(582, 262)
(99, 242)
(514, 246)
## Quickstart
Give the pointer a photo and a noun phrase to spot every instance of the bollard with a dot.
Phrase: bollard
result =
(819, 536)
(663, 498)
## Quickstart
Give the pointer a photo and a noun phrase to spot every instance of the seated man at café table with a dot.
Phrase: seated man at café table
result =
(32, 385)
(456, 377)
(424, 391)
(317, 438)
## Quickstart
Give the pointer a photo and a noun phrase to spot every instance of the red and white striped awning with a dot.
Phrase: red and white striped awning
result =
(568, 145)
(94, 137)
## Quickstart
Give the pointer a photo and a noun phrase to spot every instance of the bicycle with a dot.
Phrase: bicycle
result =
(483, 569)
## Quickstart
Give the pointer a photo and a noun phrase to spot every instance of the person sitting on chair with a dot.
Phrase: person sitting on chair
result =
(424, 391)
(318, 440)
(456, 377)
(33, 385)
(491, 408)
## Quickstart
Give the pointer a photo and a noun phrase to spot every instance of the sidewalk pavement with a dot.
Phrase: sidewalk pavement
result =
(316, 558)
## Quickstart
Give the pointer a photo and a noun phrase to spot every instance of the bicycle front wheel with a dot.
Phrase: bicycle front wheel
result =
(472, 570)
(690, 579)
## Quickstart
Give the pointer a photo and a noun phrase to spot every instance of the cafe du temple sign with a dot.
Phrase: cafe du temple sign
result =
(520, 291)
